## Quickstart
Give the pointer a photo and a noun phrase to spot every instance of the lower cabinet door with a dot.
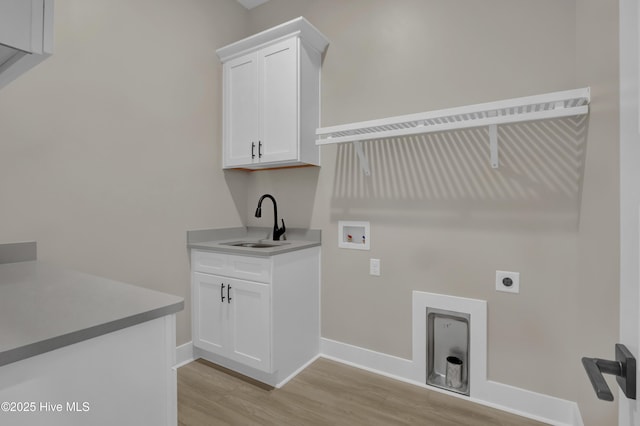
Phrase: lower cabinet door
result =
(210, 312)
(250, 324)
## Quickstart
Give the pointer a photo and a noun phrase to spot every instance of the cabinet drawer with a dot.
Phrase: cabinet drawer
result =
(233, 266)
(250, 268)
(208, 262)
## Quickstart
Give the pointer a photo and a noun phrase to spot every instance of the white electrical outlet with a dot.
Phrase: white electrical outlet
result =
(374, 267)
(508, 281)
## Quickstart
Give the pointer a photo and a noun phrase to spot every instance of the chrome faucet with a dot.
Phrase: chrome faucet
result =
(277, 232)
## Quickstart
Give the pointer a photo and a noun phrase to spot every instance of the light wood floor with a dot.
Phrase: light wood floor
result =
(326, 393)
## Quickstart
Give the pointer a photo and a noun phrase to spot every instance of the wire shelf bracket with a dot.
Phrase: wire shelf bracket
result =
(491, 114)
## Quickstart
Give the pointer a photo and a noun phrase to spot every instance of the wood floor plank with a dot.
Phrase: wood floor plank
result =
(326, 393)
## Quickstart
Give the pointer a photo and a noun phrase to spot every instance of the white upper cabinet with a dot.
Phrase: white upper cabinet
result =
(271, 97)
(26, 36)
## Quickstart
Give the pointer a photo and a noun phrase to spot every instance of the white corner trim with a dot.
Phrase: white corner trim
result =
(250, 4)
(298, 371)
(184, 354)
(577, 416)
(524, 403)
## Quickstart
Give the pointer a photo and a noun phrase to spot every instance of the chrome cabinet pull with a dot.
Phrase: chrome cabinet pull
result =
(228, 294)
(253, 150)
(222, 293)
(259, 149)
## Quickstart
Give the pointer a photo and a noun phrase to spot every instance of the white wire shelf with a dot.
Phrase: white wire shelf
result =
(539, 107)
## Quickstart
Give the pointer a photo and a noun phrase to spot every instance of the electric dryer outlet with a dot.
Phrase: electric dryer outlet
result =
(508, 281)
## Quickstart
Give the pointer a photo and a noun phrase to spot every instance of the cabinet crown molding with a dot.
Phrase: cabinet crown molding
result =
(306, 31)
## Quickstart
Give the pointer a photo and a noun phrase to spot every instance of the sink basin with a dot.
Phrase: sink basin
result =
(254, 244)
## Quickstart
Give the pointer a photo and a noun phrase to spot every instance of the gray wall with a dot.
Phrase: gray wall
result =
(110, 151)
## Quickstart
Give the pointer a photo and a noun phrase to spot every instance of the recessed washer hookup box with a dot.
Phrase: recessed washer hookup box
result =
(448, 350)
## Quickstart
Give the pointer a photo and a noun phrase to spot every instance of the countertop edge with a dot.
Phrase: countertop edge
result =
(18, 252)
(246, 251)
(57, 342)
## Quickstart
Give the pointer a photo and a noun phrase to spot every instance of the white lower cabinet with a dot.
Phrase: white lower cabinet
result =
(233, 319)
(126, 377)
(257, 315)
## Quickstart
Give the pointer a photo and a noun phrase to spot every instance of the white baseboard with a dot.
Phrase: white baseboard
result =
(184, 354)
(536, 406)
(376, 362)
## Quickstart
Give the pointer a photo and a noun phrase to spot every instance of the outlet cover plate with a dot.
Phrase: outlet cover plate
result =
(507, 281)
(374, 267)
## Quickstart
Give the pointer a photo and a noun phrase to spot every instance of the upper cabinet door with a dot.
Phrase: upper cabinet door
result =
(279, 119)
(21, 24)
(26, 36)
(240, 111)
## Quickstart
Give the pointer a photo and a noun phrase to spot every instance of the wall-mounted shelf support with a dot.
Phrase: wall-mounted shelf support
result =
(493, 145)
(364, 162)
(539, 107)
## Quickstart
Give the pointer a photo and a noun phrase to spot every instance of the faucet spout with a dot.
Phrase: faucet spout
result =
(277, 232)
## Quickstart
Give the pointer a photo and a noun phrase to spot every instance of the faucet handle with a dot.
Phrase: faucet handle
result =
(277, 232)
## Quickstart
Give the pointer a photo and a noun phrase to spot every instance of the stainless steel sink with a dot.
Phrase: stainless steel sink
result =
(254, 244)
